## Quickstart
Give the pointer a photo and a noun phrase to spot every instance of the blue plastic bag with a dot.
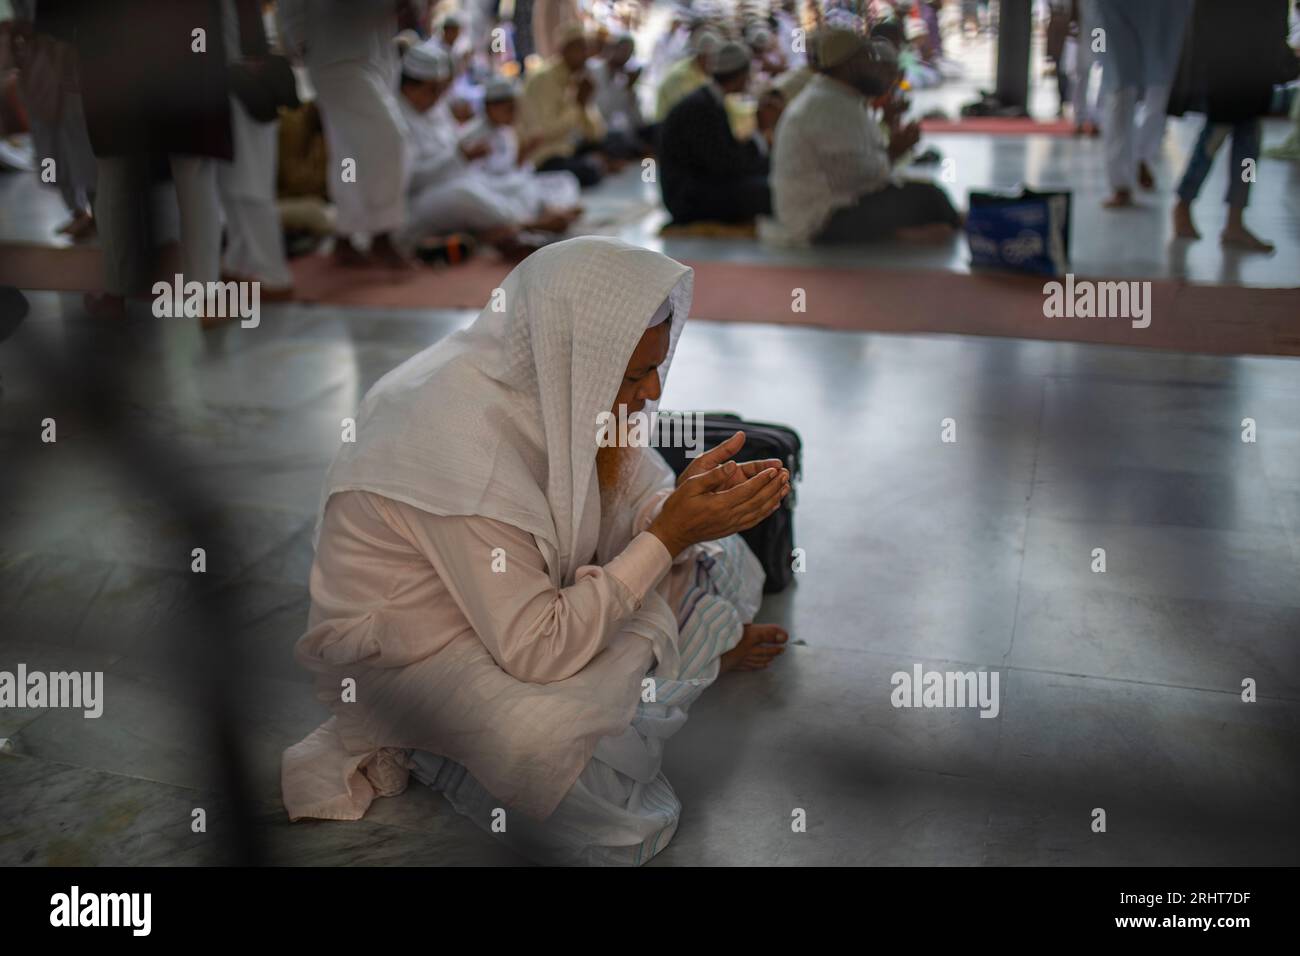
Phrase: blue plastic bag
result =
(1025, 231)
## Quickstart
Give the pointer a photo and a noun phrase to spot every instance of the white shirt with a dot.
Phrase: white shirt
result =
(432, 144)
(615, 98)
(829, 151)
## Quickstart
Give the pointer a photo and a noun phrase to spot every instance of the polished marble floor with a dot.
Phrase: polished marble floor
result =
(1118, 690)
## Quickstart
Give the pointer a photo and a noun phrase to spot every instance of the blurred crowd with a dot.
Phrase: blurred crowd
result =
(401, 132)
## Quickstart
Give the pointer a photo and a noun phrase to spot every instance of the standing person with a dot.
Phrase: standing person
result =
(706, 173)
(50, 89)
(1143, 41)
(1062, 20)
(153, 105)
(349, 51)
(246, 185)
(1230, 64)
(1084, 105)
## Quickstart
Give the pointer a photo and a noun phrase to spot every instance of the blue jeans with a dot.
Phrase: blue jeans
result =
(1245, 145)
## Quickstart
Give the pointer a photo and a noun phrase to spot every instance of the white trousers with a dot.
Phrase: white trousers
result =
(254, 240)
(67, 143)
(463, 204)
(363, 123)
(129, 225)
(1129, 138)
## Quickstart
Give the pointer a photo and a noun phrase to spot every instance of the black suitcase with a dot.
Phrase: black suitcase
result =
(772, 539)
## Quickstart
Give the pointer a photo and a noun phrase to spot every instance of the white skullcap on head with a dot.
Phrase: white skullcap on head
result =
(731, 56)
(836, 45)
(704, 42)
(760, 38)
(427, 62)
(498, 89)
(661, 314)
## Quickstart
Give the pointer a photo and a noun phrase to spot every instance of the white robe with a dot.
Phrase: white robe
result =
(446, 193)
(497, 421)
(531, 192)
(348, 48)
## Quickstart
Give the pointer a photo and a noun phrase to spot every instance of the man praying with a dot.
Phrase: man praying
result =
(706, 173)
(833, 177)
(517, 615)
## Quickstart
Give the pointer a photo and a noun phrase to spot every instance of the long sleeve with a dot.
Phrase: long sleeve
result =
(551, 111)
(495, 572)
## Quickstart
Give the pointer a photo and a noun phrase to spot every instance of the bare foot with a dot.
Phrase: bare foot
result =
(1184, 228)
(760, 645)
(1120, 199)
(1146, 179)
(550, 222)
(1239, 237)
(80, 226)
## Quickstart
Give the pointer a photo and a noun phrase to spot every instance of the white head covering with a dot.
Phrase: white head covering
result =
(731, 56)
(704, 43)
(661, 314)
(500, 419)
(498, 89)
(427, 61)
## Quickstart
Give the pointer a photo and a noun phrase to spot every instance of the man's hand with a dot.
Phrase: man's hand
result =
(719, 454)
(584, 89)
(903, 139)
(473, 151)
(713, 505)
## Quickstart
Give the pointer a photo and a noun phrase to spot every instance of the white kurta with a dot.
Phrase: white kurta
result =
(531, 191)
(829, 151)
(447, 194)
(246, 187)
(496, 422)
(1143, 43)
(348, 48)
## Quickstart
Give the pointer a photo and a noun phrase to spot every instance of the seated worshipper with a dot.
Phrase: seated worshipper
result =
(557, 109)
(688, 74)
(549, 200)
(768, 60)
(705, 173)
(503, 592)
(446, 193)
(832, 169)
(616, 97)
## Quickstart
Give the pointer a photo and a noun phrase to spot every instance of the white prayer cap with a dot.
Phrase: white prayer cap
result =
(704, 43)
(661, 314)
(572, 31)
(730, 58)
(498, 89)
(758, 37)
(836, 45)
(427, 62)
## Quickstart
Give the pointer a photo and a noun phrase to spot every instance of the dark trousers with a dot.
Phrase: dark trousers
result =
(582, 165)
(738, 201)
(880, 214)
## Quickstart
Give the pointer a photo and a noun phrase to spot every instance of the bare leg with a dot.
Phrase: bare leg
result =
(1184, 228)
